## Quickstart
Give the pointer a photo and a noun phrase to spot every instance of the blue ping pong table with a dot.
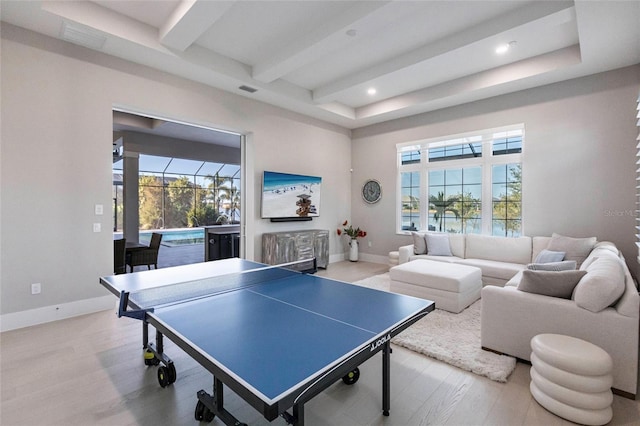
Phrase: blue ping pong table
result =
(274, 336)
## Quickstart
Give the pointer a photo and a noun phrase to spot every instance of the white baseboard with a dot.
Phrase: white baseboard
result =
(373, 258)
(362, 256)
(46, 314)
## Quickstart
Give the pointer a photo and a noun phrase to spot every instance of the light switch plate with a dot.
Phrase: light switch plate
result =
(97, 227)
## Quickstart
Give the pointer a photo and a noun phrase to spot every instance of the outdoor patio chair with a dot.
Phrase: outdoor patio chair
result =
(120, 256)
(146, 256)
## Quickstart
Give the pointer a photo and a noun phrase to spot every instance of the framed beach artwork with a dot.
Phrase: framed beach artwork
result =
(286, 195)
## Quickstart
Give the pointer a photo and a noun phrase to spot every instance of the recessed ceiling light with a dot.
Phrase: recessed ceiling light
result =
(504, 48)
(372, 91)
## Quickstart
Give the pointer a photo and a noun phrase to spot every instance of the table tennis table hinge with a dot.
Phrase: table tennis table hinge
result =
(138, 314)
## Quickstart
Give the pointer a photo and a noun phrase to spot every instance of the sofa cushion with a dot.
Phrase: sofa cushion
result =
(503, 249)
(575, 248)
(607, 245)
(419, 243)
(495, 269)
(603, 284)
(515, 280)
(446, 259)
(457, 244)
(438, 244)
(567, 265)
(629, 303)
(602, 248)
(548, 256)
(588, 261)
(550, 283)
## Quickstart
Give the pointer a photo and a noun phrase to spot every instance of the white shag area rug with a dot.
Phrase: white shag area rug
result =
(451, 338)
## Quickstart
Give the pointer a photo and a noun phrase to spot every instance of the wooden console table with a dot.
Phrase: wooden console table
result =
(283, 247)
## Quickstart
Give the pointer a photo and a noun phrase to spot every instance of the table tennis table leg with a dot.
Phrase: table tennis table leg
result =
(297, 418)
(149, 354)
(145, 334)
(386, 378)
(298, 414)
(154, 355)
(209, 406)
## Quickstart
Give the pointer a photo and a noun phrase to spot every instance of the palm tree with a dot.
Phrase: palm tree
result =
(441, 206)
(222, 193)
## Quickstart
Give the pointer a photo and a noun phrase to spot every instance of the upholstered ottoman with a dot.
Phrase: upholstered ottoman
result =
(572, 378)
(453, 287)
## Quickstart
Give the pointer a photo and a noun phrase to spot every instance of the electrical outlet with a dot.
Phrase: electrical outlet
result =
(99, 209)
(370, 243)
(36, 288)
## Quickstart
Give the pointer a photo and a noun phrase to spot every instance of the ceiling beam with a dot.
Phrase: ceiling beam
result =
(482, 81)
(189, 21)
(522, 16)
(317, 42)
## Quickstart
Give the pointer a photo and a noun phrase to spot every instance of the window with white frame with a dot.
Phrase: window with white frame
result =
(469, 183)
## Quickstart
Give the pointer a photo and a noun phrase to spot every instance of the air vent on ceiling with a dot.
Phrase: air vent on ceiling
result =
(82, 36)
(248, 89)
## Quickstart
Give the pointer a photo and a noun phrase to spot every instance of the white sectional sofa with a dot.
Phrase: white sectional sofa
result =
(602, 308)
(498, 258)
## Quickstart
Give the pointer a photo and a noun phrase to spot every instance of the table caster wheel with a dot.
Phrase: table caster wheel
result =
(199, 413)
(172, 373)
(164, 377)
(208, 415)
(351, 377)
(202, 413)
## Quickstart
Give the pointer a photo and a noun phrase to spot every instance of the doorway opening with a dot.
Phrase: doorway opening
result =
(178, 180)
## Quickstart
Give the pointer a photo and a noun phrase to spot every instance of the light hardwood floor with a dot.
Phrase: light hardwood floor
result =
(89, 371)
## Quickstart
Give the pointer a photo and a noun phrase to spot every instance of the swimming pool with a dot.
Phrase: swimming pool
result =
(175, 237)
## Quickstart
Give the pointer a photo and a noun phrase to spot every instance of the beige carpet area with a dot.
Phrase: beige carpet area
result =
(451, 338)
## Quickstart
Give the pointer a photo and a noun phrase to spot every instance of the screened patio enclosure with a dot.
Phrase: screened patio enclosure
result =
(180, 193)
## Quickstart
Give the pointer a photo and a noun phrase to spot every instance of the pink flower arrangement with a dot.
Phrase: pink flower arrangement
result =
(352, 232)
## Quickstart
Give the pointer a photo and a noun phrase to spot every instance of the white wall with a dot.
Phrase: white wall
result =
(579, 158)
(57, 102)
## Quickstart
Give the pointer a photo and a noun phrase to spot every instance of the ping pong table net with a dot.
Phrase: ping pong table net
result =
(181, 292)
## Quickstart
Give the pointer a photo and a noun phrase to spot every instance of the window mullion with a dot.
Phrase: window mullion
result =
(424, 187)
(487, 187)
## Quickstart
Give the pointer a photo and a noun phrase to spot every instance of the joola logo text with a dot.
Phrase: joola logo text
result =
(375, 345)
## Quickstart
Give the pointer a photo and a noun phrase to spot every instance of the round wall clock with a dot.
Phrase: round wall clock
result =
(371, 191)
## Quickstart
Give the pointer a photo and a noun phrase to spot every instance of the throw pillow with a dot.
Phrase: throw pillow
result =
(575, 248)
(588, 261)
(567, 265)
(548, 256)
(438, 245)
(419, 243)
(550, 283)
(602, 286)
